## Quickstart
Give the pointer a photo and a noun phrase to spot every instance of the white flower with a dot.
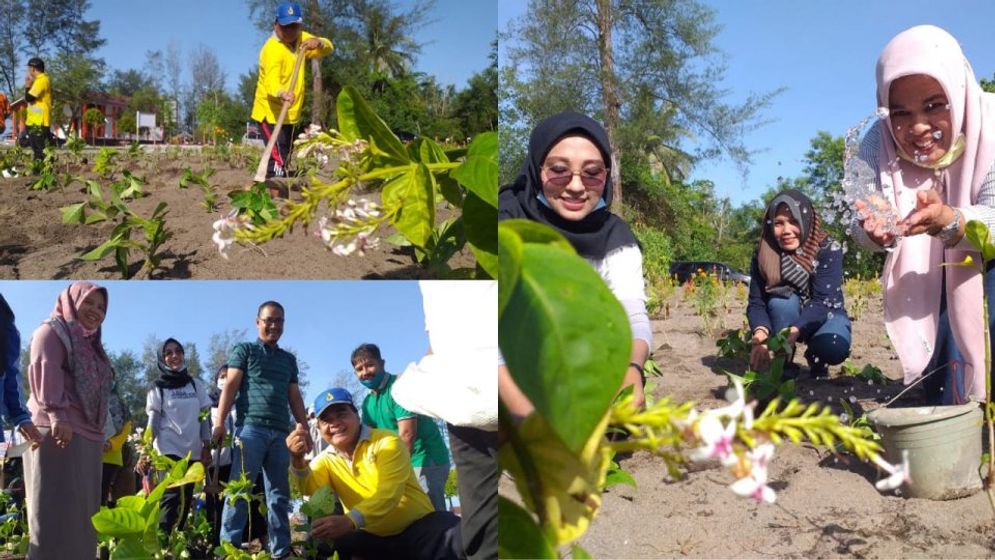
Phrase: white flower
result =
(899, 473)
(716, 439)
(224, 231)
(754, 485)
(737, 408)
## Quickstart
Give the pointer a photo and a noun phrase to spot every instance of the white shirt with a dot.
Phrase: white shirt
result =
(179, 422)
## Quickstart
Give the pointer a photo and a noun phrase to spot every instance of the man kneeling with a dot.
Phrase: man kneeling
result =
(387, 515)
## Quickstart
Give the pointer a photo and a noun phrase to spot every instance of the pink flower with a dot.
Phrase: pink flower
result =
(754, 485)
(716, 439)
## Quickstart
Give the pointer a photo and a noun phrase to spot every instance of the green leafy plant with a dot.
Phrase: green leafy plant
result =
(256, 203)
(980, 238)
(105, 165)
(869, 372)
(130, 529)
(764, 385)
(735, 344)
(129, 185)
(45, 173)
(153, 229)
(13, 527)
(210, 202)
(410, 180)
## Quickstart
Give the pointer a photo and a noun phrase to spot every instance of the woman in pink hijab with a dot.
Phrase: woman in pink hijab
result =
(70, 379)
(933, 157)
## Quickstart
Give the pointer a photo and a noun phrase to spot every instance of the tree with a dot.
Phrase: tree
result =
(93, 118)
(12, 15)
(74, 76)
(174, 76)
(476, 107)
(130, 386)
(58, 25)
(660, 49)
(206, 76)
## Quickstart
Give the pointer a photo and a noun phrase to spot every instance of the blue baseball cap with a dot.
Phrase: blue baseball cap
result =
(288, 13)
(328, 397)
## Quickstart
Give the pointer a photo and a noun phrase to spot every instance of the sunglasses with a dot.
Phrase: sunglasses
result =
(560, 175)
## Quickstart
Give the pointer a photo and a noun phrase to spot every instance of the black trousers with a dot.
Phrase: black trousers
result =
(475, 455)
(35, 137)
(106, 480)
(433, 537)
(175, 504)
(277, 166)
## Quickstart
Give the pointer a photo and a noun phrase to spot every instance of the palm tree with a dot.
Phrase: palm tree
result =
(391, 50)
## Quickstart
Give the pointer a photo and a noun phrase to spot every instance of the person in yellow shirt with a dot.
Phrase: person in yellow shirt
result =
(276, 65)
(39, 113)
(387, 514)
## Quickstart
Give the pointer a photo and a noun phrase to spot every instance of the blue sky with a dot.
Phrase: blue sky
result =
(824, 53)
(325, 320)
(456, 44)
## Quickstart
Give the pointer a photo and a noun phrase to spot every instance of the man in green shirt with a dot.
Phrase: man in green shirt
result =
(429, 455)
(264, 376)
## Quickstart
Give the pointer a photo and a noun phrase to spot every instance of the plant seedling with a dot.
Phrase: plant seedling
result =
(210, 202)
(255, 203)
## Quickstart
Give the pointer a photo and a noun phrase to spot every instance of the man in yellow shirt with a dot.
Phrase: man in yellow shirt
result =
(39, 114)
(388, 515)
(276, 65)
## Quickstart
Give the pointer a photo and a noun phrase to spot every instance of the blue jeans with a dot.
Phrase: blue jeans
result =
(432, 478)
(829, 345)
(264, 448)
(947, 385)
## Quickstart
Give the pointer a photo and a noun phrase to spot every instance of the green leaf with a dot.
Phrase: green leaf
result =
(322, 501)
(534, 232)
(358, 121)
(450, 190)
(428, 151)
(560, 323)
(978, 235)
(102, 250)
(74, 213)
(193, 474)
(413, 193)
(479, 172)
(480, 225)
(131, 502)
(528, 541)
(562, 485)
(118, 522)
(578, 553)
(509, 263)
(130, 549)
(618, 475)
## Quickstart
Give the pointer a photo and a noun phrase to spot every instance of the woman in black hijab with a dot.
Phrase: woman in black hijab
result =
(565, 184)
(179, 407)
(797, 284)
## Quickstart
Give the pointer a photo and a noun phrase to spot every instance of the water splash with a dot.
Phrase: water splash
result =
(860, 182)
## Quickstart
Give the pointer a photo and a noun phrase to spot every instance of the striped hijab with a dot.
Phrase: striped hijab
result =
(790, 272)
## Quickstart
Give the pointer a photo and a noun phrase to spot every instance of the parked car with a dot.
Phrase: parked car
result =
(682, 271)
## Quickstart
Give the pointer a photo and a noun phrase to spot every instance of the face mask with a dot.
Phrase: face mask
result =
(375, 381)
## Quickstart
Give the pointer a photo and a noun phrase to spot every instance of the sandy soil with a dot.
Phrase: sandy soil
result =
(35, 245)
(826, 507)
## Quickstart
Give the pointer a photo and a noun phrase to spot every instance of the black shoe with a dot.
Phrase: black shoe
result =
(791, 371)
(818, 370)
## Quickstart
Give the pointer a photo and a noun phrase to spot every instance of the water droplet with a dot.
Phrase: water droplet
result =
(852, 399)
(811, 393)
(937, 134)
(882, 112)
(870, 382)
(815, 359)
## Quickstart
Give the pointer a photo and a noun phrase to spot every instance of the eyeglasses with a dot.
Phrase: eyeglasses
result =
(560, 175)
(271, 322)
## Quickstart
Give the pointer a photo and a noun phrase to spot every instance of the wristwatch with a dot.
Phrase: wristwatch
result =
(950, 230)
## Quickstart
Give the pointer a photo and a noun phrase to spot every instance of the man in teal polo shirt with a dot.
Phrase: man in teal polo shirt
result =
(264, 376)
(429, 455)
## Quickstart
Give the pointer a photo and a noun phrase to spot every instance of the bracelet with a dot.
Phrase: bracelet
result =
(638, 367)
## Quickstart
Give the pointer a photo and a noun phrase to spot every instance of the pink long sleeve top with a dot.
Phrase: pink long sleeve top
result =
(53, 389)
